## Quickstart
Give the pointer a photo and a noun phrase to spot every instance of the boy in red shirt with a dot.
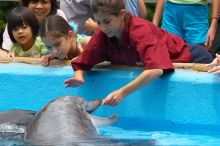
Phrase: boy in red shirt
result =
(129, 40)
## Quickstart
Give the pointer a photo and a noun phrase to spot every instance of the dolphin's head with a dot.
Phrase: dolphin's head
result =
(81, 103)
(66, 117)
(72, 100)
(88, 107)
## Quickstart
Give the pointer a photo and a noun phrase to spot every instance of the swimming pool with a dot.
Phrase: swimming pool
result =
(182, 108)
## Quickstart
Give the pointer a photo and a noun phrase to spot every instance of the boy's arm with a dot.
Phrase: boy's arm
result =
(144, 78)
(158, 12)
(77, 80)
(142, 8)
(84, 42)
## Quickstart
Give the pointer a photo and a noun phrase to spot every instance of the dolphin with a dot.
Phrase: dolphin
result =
(13, 123)
(67, 118)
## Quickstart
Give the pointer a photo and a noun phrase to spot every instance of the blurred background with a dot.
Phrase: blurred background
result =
(7, 5)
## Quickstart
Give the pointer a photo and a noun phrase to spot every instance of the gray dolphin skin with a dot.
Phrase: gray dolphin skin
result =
(67, 119)
(13, 123)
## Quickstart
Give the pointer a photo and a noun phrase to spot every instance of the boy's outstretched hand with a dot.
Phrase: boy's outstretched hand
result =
(73, 82)
(113, 98)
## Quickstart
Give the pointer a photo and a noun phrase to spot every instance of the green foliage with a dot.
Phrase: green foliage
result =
(2, 24)
(5, 8)
(150, 11)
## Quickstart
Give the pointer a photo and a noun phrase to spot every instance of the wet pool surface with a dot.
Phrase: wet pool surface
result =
(179, 109)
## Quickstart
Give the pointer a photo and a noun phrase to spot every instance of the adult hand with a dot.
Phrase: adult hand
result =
(113, 98)
(215, 65)
(211, 33)
(210, 38)
(73, 82)
(215, 70)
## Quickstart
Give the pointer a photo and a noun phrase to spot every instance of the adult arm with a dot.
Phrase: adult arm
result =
(158, 12)
(142, 8)
(144, 78)
(214, 23)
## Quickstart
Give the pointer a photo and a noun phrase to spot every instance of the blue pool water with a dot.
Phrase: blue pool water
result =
(182, 108)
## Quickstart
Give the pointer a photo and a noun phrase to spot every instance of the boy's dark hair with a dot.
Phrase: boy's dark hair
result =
(54, 5)
(54, 25)
(112, 7)
(20, 16)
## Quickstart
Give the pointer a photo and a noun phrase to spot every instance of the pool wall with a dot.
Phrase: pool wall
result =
(184, 99)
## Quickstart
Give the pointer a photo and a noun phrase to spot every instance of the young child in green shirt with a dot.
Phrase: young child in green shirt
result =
(23, 31)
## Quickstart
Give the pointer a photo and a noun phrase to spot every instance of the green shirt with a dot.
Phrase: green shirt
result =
(37, 50)
(203, 2)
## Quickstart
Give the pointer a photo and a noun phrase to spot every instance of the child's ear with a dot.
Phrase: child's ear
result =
(71, 33)
(122, 14)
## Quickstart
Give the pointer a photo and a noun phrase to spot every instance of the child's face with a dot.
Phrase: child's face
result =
(111, 25)
(23, 35)
(58, 47)
(40, 8)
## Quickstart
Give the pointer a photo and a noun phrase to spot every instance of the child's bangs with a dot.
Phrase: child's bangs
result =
(18, 22)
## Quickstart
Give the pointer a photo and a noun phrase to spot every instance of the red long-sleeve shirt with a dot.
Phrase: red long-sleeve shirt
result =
(141, 43)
